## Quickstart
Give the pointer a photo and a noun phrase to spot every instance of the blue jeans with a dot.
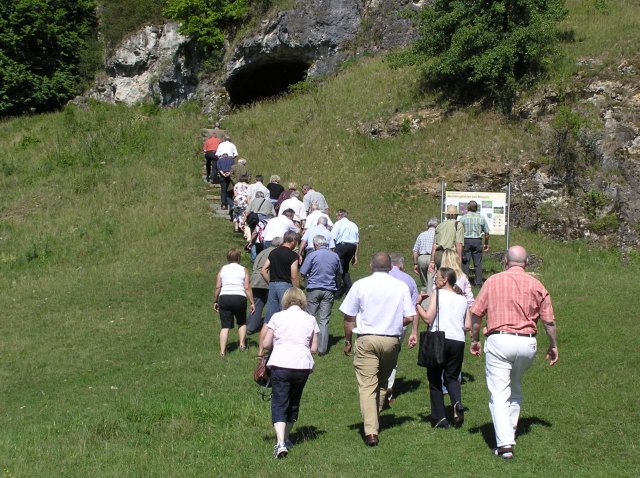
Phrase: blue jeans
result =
(287, 386)
(274, 301)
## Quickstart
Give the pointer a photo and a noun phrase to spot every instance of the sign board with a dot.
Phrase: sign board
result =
(493, 206)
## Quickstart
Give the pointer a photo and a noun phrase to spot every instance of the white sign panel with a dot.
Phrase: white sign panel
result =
(493, 206)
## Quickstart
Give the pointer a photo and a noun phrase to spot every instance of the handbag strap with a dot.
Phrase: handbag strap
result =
(436, 321)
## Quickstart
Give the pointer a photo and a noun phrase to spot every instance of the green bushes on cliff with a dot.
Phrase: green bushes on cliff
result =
(41, 45)
(485, 51)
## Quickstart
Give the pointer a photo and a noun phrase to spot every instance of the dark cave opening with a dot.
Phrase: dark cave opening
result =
(264, 81)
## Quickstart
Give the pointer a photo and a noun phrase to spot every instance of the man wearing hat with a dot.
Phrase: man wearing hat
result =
(449, 235)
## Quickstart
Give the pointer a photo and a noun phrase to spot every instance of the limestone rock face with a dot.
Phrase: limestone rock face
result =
(156, 63)
(312, 39)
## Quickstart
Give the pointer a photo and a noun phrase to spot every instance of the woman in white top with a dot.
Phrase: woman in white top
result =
(230, 299)
(293, 335)
(451, 314)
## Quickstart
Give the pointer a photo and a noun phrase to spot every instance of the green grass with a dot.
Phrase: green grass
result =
(108, 253)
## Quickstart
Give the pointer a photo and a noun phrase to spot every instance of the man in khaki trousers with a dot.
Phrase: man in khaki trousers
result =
(382, 305)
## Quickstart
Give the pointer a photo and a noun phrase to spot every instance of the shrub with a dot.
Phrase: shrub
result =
(41, 43)
(206, 21)
(472, 50)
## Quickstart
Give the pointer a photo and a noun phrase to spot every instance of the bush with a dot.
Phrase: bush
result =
(487, 50)
(41, 43)
(206, 21)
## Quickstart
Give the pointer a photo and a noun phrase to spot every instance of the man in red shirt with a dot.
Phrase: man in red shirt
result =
(513, 301)
(209, 147)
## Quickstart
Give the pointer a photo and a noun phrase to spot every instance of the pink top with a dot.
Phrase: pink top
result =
(293, 330)
(513, 301)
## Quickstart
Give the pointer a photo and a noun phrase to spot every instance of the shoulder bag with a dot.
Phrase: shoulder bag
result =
(431, 352)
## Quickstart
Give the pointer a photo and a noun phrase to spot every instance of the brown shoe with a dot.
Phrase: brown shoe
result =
(371, 440)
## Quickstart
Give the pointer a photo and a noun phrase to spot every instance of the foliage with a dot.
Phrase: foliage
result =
(207, 21)
(487, 50)
(120, 17)
(41, 42)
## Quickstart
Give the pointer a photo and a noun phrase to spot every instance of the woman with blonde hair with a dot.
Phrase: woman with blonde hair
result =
(230, 299)
(293, 336)
(451, 260)
(275, 188)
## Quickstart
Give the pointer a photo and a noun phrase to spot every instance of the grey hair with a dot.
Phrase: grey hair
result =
(274, 178)
(295, 194)
(276, 241)
(259, 194)
(323, 220)
(397, 259)
(319, 241)
(432, 222)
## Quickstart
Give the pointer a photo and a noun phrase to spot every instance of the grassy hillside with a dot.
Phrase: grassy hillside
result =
(109, 363)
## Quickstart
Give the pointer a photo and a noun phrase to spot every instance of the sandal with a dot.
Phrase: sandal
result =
(504, 452)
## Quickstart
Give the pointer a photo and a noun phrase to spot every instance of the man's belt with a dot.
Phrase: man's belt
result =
(502, 332)
(380, 335)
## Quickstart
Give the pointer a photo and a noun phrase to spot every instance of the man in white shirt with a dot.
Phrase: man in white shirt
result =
(383, 306)
(227, 148)
(311, 196)
(299, 211)
(255, 187)
(314, 215)
(278, 226)
(346, 237)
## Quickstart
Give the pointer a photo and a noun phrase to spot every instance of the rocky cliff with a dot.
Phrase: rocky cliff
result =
(157, 63)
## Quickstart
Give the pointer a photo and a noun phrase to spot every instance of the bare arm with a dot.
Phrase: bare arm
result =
(349, 322)
(248, 291)
(264, 272)
(415, 262)
(314, 343)
(552, 353)
(476, 322)
(429, 314)
(267, 341)
(354, 261)
(216, 293)
(295, 277)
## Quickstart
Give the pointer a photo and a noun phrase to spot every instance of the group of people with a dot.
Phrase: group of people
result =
(292, 237)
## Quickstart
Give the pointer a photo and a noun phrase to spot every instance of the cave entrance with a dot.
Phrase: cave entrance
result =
(266, 80)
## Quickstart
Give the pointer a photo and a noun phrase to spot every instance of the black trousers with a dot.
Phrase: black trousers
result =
(473, 251)
(211, 164)
(345, 252)
(287, 386)
(454, 354)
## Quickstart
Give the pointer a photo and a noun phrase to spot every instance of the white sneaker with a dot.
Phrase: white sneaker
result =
(280, 451)
(288, 444)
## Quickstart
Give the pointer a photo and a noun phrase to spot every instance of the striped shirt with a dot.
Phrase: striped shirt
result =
(513, 302)
(475, 225)
(424, 241)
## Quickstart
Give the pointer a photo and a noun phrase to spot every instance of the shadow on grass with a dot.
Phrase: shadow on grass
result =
(402, 386)
(524, 427)
(300, 435)
(386, 421)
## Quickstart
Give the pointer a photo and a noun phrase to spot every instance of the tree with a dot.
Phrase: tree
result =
(207, 20)
(485, 50)
(41, 42)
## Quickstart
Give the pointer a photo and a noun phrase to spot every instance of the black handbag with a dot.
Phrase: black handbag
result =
(431, 352)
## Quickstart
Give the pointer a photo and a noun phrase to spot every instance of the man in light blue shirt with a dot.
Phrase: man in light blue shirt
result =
(306, 244)
(321, 268)
(346, 237)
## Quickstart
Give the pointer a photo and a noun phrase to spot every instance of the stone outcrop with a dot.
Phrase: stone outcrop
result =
(156, 63)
